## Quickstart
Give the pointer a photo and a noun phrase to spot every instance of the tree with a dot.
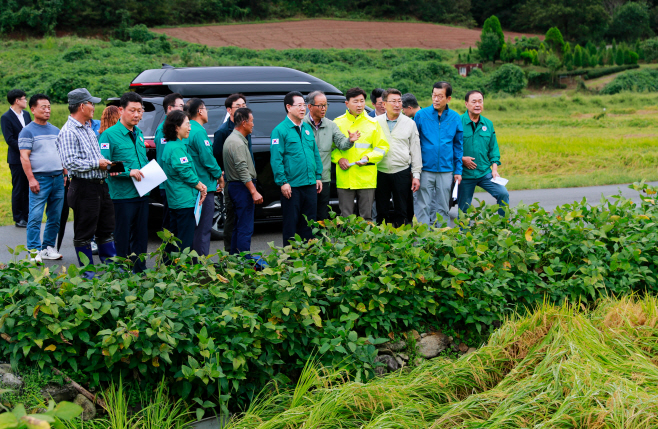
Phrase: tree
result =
(585, 58)
(619, 58)
(632, 57)
(650, 49)
(492, 26)
(568, 60)
(609, 58)
(602, 59)
(535, 58)
(579, 20)
(630, 21)
(554, 64)
(554, 39)
(527, 57)
(578, 56)
(488, 46)
(591, 48)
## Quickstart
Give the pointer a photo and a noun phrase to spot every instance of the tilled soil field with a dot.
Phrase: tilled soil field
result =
(326, 33)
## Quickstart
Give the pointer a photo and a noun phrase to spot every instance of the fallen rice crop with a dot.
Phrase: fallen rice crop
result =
(559, 367)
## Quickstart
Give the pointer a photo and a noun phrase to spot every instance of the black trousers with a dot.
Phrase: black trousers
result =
(93, 212)
(323, 201)
(229, 220)
(399, 186)
(302, 202)
(201, 241)
(131, 230)
(20, 193)
(182, 224)
(165, 210)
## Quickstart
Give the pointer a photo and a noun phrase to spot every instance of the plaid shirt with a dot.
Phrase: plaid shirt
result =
(79, 151)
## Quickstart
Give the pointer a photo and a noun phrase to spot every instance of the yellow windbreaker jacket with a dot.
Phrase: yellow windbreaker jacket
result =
(372, 144)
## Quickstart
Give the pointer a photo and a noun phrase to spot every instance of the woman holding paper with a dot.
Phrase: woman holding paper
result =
(183, 186)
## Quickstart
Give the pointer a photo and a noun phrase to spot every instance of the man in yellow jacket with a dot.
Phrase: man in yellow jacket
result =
(356, 171)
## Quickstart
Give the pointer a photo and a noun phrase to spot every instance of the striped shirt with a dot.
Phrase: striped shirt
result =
(79, 150)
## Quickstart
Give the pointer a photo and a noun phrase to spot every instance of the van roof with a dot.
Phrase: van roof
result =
(223, 81)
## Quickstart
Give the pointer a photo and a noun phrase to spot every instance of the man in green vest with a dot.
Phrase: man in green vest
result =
(170, 102)
(124, 142)
(297, 169)
(200, 149)
(481, 156)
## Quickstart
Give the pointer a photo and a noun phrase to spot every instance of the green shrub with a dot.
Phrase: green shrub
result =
(225, 330)
(650, 49)
(78, 53)
(604, 71)
(508, 78)
(140, 33)
(635, 80)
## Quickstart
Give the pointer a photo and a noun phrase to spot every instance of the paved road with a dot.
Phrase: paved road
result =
(266, 233)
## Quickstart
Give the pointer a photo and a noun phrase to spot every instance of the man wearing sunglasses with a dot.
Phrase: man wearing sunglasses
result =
(327, 137)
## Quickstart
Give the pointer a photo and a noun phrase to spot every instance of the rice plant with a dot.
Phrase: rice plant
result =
(559, 367)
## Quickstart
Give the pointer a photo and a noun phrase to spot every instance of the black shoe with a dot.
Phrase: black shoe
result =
(21, 224)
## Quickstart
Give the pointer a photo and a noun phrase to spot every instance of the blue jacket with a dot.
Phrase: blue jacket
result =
(441, 140)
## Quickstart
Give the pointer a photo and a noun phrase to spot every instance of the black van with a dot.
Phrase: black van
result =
(264, 88)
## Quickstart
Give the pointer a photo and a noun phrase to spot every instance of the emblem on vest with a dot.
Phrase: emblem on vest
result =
(184, 160)
(163, 141)
(275, 141)
(484, 128)
(207, 142)
(105, 145)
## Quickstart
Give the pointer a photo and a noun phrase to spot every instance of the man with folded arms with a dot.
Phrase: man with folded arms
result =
(481, 156)
(45, 176)
(398, 174)
(124, 142)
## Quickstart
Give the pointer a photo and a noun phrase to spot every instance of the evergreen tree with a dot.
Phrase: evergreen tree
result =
(578, 56)
(585, 58)
(554, 39)
(601, 59)
(591, 48)
(492, 25)
(610, 58)
(619, 58)
(535, 58)
(568, 60)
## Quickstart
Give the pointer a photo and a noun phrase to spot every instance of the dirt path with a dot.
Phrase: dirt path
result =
(321, 34)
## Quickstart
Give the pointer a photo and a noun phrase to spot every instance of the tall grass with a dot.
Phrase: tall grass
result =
(558, 367)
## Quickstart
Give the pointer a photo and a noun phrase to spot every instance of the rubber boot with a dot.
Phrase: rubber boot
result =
(106, 250)
(85, 250)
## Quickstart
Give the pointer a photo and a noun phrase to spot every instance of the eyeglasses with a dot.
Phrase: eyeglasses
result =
(320, 106)
(394, 102)
(90, 103)
(299, 105)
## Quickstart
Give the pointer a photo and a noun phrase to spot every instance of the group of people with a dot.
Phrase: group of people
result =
(396, 153)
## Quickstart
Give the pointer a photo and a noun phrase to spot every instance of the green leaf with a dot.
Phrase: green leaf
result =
(199, 413)
(148, 295)
(67, 410)
(352, 346)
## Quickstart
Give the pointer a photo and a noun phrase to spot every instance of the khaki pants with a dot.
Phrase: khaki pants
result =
(346, 202)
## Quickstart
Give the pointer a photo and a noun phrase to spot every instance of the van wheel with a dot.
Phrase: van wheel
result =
(218, 217)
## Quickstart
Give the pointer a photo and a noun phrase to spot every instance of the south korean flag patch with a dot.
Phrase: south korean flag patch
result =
(163, 141)
(184, 160)
(275, 141)
(105, 145)
(207, 142)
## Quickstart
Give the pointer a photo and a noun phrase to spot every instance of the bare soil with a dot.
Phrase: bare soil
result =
(326, 33)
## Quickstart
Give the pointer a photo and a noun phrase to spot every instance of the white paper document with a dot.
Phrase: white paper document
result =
(197, 208)
(153, 176)
(499, 180)
(454, 192)
(364, 159)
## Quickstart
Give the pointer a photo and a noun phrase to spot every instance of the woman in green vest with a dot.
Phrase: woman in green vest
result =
(182, 185)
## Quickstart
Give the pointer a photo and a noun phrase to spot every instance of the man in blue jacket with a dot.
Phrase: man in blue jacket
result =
(442, 147)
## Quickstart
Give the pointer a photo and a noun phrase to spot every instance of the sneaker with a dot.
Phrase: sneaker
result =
(37, 258)
(94, 248)
(50, 253)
